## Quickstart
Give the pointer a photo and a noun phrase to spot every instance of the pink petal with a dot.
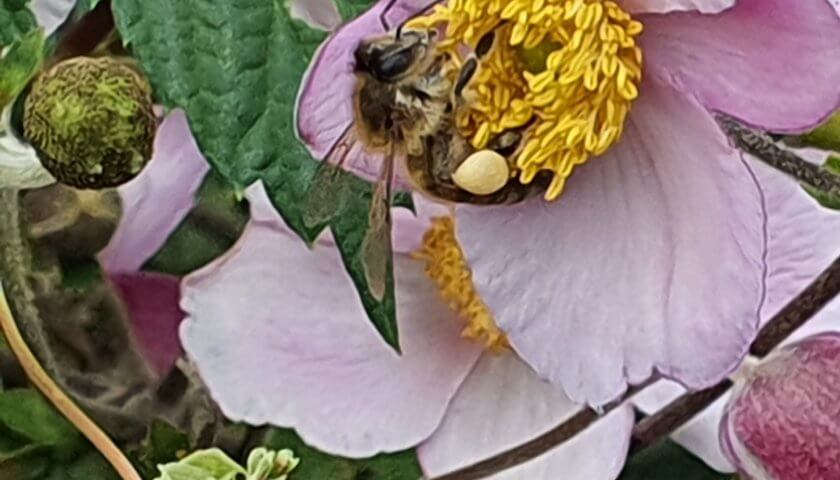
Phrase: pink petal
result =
(801, 243)
(321, 14)
(503, 404)
(325, 102)
(651, 260)
(157, 200)
(802, 238)
(279, 335)
(152, 303)
(50, 14)
(667, 6)
(771, 63)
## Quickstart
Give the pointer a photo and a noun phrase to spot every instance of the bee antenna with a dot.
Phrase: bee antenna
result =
(402, 25)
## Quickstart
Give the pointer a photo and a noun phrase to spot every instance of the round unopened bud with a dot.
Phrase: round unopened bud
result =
(783, 421)
(482, 173)
(91, 121)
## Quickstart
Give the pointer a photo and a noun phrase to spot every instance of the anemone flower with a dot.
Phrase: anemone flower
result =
(654, 256)
(279, 337)
(340, 384)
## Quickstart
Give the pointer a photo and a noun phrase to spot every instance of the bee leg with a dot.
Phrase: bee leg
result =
(485, 44)
(467, 73)
(507, 143)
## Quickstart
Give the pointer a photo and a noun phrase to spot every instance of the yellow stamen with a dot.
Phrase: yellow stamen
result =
(573, 67)
(447, 267)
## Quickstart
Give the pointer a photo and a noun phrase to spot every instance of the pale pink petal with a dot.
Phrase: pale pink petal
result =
(159, 198)
(667, 6)
(503, 404)
(408, 227)
(771, 63)
(802, 237)
(279, 335)
(50, 14)
(325, 102)
(652, 259)
(321, 14)
(152, 303)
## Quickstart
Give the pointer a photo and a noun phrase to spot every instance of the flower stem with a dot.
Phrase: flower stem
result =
(760, 145)
(14, 280)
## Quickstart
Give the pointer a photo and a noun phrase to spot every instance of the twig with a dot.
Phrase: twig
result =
(14, 278)
(539, 445)
(761, 145)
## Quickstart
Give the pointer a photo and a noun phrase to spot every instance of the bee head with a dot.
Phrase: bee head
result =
(390, 58)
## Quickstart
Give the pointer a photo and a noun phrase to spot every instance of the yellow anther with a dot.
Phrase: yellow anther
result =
(575, 65)
(446, 266)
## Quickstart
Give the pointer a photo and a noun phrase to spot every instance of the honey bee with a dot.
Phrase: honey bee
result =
(406, 101)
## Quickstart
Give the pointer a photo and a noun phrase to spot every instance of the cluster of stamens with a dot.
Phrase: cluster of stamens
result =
(447, 267)
(566, 71)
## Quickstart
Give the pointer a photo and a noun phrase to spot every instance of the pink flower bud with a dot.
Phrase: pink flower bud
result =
(783, 421)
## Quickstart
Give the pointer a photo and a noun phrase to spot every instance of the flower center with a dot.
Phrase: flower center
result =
(447, 267)
(565, 70)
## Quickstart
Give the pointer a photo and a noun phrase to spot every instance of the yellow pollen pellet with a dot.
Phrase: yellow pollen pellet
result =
(586, 68)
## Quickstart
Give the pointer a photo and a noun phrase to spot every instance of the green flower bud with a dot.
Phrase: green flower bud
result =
(91, 121)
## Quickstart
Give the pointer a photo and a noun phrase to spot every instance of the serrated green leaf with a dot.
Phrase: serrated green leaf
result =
(26, 414)
(15, 20)
(21, 62)
(235, 67)
(315, 465)
(668, 461)
(831, 165)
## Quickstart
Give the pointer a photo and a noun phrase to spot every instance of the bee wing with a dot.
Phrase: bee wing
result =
(376, 246)
(324, 199)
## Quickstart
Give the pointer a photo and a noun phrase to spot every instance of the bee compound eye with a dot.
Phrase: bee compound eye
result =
(391, 65)
(483, 173)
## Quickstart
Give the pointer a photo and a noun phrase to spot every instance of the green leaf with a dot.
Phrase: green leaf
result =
(831, 165)
(208, 231)
(21, 62)
(85, 6)
(668, 461)
(235, 67)
(350, 9)
(825, 137)
(26, 414)
(15, 20)
(315, 465)
(212, 464)
(164, 444)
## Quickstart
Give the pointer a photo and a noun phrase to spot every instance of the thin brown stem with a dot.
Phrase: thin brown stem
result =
(539, 445)
(760, 145)
(14, 279)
